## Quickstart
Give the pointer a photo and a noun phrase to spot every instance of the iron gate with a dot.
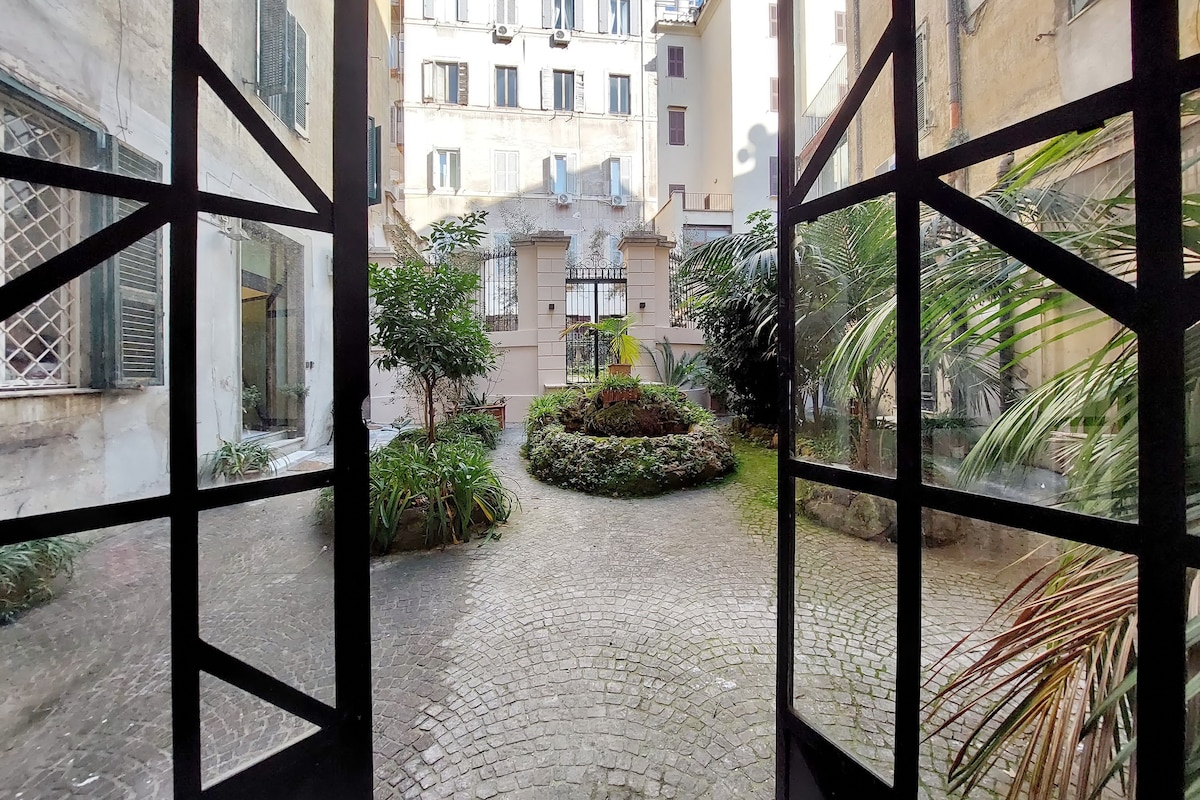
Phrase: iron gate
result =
(596, 291)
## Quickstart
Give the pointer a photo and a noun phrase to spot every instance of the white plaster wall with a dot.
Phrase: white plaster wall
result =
(820, 52)
(755, 129)
(479, 128)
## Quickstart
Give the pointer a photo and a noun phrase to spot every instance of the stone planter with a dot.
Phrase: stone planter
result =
(610, 396)
(624, 370)
(496, 411)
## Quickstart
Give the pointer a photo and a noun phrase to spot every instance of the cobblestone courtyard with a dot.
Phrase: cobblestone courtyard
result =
(599, 649)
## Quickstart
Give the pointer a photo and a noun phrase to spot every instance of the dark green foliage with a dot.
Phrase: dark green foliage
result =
(235, 459)
(483, 427)
(430, 495)
(674, 371)
(656, 443)
(28, 571)
(425, 320)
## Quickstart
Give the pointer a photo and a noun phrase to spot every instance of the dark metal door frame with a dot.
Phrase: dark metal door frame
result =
(336, 760)
(1160, 308)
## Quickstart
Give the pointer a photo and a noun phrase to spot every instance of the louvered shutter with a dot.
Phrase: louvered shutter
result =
(626, 176)
(604, 18)
(129, 342)
(575, 14)
(272, 67)
(300, 94)
(579, 97)
(462, 11)
(547, 89)
(922, 77)
(572, 174)
(374, 158)
(427, 9)
(462, 84)
(547, 13)
(635, 17)
(548, 174)
(427, 81)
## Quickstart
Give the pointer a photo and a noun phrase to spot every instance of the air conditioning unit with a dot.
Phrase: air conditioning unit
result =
(565, 200)
(619, 201)
(561, 37)
(505, 33)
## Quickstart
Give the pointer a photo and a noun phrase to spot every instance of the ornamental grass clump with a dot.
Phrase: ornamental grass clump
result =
(30, 570)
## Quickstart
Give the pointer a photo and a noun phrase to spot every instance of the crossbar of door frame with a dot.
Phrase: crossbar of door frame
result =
(809, 765)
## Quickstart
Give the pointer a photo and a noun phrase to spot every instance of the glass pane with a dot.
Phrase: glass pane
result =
(1189, 28)
(83, 405)
(85, 665)
(1011, 69)
(834, 50)
(265, 381)
(280, 58)
(113, 90)
(845, 285)
(266, 587)
(845, 625)
(1189, 121)
(1028, 393)
(993, 641)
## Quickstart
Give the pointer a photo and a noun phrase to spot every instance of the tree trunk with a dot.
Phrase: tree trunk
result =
(429, 411)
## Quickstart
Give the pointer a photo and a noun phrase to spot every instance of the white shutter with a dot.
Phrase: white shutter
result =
(579, 97)
(463, 84)
(300, 94)
(576, 14)
(635, 17)
(427, 81)
(547, 13)
(462, 10)
(548, 174)
(626, 175)
(427, 9)
(572, 174)
(547, 89)
(604, 18)
(499, 180)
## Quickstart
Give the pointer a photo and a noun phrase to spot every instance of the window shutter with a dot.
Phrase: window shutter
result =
(129, 350)
(572, 174)
(626, 176)
(604, 18)
(635, 17)
(272, 68)
(922, 77)
(427, 9)
(374, 153)
(576, 14)
(427, 81)
(547, 89)
(579, 97)
(548, 173)
(547, 13)
(462, 84)
(462, 10)
(300, 95)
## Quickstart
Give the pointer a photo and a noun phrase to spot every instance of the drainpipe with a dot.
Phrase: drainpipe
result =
(858, 122)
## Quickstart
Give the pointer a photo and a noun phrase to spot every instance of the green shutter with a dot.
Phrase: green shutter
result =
(300, 93)
(374, 153)
(127, 307)
(272, 56)
(287, 112)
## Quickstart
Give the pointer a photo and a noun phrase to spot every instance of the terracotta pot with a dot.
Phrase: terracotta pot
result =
(496, 411)
(620, 369)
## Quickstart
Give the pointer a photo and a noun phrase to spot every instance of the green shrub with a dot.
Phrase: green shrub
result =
(477, 424)
(655, 443)
(28, 571)
(235, 459)
(442, 493)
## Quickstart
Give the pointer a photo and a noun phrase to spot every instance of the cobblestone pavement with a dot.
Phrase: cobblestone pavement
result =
(600, 649)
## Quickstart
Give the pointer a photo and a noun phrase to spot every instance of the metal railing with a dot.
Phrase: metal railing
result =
(704, 201)
(823, 104)
(682, 296)
(497, 295)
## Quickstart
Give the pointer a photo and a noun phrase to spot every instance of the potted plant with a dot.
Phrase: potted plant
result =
(481, 402)
(621, 344)
(297, 392)
(619, 389)
(235, 460)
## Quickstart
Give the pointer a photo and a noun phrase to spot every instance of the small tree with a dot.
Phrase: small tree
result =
(425, 320)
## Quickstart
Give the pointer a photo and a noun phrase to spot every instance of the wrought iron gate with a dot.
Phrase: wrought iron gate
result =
(596, 290)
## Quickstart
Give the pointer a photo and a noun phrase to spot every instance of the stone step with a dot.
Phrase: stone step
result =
(284, 447)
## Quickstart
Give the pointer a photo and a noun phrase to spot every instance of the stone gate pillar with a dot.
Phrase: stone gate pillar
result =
(548, 264)
(647, 259)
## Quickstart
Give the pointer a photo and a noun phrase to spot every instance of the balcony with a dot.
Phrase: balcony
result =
(703, 201)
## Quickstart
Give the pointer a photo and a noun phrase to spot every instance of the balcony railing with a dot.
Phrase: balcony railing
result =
(677, 10)
(703, 201)
(823, 104)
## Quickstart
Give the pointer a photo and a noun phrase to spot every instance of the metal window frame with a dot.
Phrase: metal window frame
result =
(1159, 309)
(336, 760)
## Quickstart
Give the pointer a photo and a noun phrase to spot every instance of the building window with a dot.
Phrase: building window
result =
(283, 65)
(675, 126)
(117, 339)
(773, 20)
(506, 87)
(676, 188)
(674, 61)
(774, 94)
(618, 13)
(445, 82)
(506, 12)
(620, 174)
(618, 94)
(507, 175)
(839, 27)
(1077, 6)
(447, 175)
(562, 14)
(561, 171)
(773, 176)
(564, 91)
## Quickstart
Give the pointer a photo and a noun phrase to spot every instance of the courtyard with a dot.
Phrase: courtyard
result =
(599, 648)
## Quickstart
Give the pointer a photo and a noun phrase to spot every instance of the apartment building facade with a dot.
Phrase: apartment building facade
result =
(83, 386)
(718, 106)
